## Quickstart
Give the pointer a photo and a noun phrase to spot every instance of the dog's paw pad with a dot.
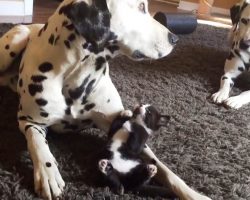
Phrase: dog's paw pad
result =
(152, 169)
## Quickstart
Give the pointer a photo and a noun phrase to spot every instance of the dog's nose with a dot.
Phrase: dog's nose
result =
(172, 38)
(244, 44)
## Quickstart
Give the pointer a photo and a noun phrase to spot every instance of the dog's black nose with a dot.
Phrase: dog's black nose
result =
(172, 38)
(244, 44)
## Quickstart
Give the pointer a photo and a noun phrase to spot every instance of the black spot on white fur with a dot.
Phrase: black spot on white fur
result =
(45, 67)
(41, 102)
(38, 78)
(90, 87)
(77, 92)
(69, 101)
(51, 39)
(68, 111)
(67, 44)
(57, 38)
(20, 83)
(99, 62)
(35, 88)
(88, 107)
(12, 54)
(44, 114)
(71, 37)
(21, 69)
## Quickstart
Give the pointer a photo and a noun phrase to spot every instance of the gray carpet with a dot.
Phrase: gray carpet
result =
(205, 144)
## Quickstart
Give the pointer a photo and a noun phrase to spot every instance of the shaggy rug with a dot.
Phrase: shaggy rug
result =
(205, 144)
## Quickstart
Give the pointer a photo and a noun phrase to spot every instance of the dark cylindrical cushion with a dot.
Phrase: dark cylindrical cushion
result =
(177, 23)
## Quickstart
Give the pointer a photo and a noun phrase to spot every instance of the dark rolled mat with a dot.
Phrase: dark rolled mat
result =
(178, 23)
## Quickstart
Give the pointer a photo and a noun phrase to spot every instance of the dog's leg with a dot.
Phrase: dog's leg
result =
(166, 177)
(233, 68)
(237, 101)
(11, 44)
(47, 179)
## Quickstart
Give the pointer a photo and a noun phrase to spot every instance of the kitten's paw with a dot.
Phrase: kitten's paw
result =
(152, 169)
(104, 166)
(126, 113)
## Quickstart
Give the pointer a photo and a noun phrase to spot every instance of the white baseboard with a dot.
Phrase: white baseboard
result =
(16, 11)
(189, 6)
(16, 19)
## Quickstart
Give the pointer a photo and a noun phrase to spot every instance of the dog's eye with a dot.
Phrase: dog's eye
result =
(245, 21)
(142, 7)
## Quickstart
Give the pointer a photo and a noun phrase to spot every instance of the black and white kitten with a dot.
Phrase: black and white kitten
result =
(121, 164)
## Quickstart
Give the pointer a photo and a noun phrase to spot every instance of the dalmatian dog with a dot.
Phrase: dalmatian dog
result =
(61, 73)
(238, 60)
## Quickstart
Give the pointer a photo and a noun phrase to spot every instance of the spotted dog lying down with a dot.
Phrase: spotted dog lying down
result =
(121, 163)
(239, 59)
(63, 77)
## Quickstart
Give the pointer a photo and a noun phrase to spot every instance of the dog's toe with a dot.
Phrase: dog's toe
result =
(220, 96)
(234, 102)
(48, 181)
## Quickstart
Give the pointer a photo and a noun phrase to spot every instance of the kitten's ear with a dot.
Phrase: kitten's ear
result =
(164, 120)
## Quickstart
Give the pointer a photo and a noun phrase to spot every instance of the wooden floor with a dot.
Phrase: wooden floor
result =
(44, 8)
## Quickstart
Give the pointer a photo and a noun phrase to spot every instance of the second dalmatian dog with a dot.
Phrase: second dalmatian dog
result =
(63, 76)
(239, 59)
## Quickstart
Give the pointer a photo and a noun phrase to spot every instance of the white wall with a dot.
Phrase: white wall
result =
(16, 11)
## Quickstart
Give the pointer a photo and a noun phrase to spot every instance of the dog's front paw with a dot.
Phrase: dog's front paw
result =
(126, 113)
(220, 96)
(152, 169)
(48, 180)
(235, 102)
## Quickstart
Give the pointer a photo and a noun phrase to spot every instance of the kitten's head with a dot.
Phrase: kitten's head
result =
(150, 116)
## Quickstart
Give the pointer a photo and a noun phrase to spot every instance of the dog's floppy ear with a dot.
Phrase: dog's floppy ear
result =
(90, 21)
(235, 14)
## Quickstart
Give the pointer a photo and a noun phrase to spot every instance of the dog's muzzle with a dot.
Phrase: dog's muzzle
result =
(244, 44)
